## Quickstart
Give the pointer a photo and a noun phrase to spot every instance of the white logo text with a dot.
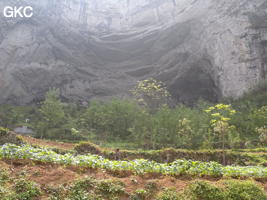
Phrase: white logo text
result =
(14, 12)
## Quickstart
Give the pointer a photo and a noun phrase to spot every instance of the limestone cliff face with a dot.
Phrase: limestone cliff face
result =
(100, 48)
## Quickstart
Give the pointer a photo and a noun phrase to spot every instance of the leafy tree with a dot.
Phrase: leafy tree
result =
(251, 125)
(12, 116)
(52, 116)
(221, 114)
(7, 116)
(261, 116)
(151, 93)
(181, 127)
(262, 135)
(185, 132)
(111, 120)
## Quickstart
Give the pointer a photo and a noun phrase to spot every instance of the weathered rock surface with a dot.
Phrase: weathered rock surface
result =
(100, 48)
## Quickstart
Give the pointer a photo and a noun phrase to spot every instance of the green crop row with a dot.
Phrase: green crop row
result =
(233, 157)
(140, 166)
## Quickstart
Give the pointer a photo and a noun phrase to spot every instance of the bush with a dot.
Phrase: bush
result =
(232, 190)
(168, 194)
(110, 187)
(140, 194)
(244, 190)
(26, 190)
(56, 193)
(87, 147)
(78, 195)
(9, 137)
(4, 176)
(84, 184)
(201, 190)
(4, 192)
(3, 131)
(146, 193)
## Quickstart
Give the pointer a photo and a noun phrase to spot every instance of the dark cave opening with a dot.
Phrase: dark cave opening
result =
(194, 85)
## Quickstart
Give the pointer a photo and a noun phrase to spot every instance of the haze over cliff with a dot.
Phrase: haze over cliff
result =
(101, 48)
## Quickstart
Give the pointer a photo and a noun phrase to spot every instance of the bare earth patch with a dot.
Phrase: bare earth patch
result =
(48, 143)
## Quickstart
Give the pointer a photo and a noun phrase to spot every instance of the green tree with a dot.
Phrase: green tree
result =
(185, 132)
(261, 115)
(7, 116)
(151, 93)
(220, 115)
(52, 116)
(255, 123)
(262, 131)
(112, 120)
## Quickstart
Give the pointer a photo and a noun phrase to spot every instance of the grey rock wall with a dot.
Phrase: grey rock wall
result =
(99, 48)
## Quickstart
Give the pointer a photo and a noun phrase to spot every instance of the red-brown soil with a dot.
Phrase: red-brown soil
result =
(53, 175)
(48, 143)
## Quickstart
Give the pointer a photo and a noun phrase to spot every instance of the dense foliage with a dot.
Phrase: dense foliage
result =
(129, 121)
(231, 190)
(18, 188)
